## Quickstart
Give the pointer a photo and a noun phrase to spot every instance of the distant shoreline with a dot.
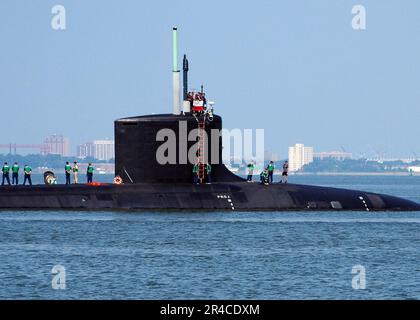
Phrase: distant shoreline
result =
(396, 174)
(399, 173)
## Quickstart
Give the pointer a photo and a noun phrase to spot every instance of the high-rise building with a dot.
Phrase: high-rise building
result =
(85, 150)
(104, 149)
(299, 155)
(57, 144)
(98, 149)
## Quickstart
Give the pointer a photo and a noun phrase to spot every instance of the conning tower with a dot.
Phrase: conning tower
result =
(187, 138)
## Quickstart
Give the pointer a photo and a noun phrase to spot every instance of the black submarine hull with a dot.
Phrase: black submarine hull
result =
(236, 196)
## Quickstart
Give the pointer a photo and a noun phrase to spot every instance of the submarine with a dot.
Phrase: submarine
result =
(147, 178)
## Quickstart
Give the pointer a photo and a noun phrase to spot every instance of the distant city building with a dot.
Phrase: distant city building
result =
(85, 150)
(299, 155)
(98, 149)
(57, 144)
(336, 155)
(104, 149)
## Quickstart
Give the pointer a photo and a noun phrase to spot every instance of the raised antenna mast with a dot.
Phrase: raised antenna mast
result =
(175, 74)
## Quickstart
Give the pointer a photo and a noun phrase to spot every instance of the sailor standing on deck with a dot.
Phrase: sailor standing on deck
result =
(251, 167)
(208, 171)
(27, 170)
(89, 173)
(270, 169)
(5, 171)
(285, 172)
(67, 169)
(15, 173)
(75, 173)
(196, 172)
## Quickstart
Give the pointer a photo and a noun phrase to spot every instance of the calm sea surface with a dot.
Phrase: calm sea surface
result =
(220, 255)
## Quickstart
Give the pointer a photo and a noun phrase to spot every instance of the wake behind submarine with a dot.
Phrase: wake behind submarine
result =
(147, 184)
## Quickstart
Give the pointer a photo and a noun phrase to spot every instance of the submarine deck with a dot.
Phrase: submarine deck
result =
(238, 196)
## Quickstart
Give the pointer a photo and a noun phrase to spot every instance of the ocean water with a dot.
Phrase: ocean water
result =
(215, 255)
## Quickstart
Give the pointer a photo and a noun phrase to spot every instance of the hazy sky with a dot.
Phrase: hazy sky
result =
(295, 68)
